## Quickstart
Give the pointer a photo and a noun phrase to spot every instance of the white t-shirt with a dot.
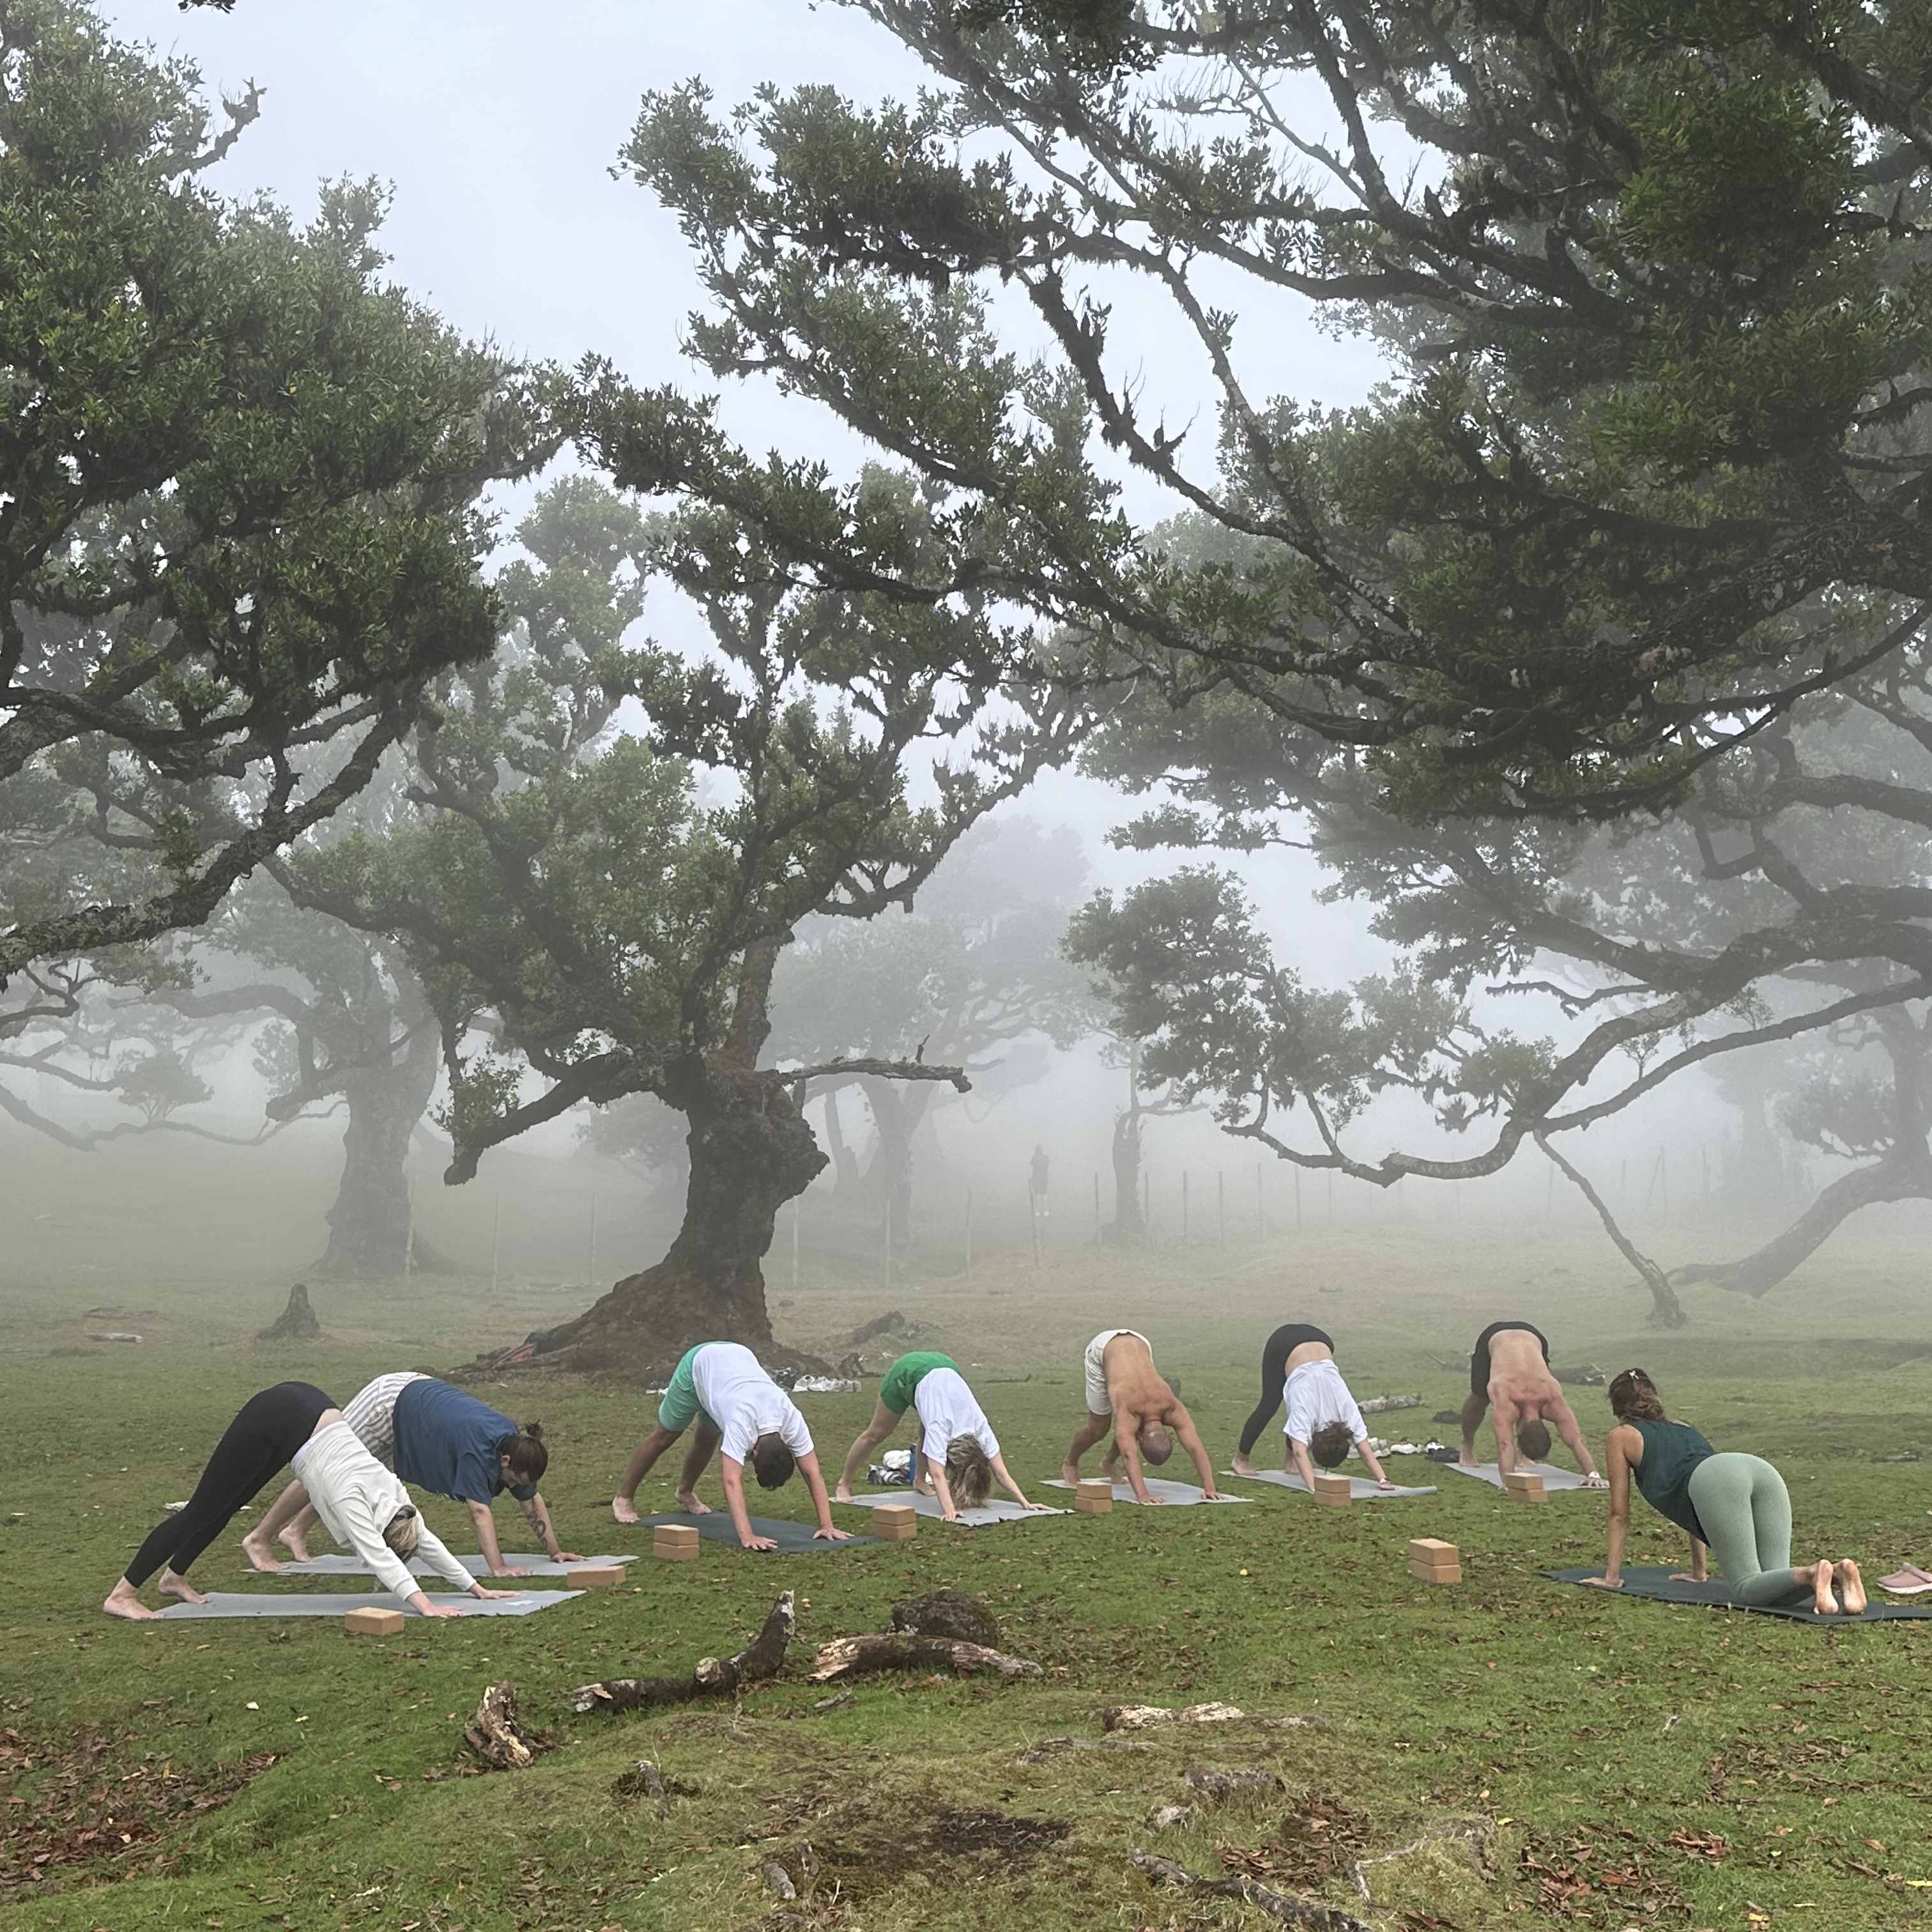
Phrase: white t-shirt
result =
(357, 1498)
(744, 1401)
(1317, 1394)
(946, 1408)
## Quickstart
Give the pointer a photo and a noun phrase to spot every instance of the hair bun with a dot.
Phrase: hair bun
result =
(534, 1430)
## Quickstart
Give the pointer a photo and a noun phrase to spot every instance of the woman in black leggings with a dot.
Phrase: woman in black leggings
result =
(262, 1439)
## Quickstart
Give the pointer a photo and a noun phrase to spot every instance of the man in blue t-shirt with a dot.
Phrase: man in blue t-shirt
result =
(441, 1439)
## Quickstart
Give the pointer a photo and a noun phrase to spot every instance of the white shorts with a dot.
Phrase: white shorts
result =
(371, 1413)
(1099, 1402)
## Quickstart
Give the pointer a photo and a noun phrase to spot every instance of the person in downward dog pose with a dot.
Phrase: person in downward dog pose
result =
(740, 1410)
(444, 1440)
(957, 1456)
(1509, 1372)
(1127, 1394)
(1733, 1506)
(363, 1503)
(1324, 1423)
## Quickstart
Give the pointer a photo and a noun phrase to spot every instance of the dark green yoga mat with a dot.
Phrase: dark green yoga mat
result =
(791, 1537)
(1657, 1584)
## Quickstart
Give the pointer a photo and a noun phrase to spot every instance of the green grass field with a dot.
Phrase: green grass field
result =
(1568, 1759)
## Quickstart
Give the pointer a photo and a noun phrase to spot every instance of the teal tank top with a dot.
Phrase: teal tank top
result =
(1671, 1451)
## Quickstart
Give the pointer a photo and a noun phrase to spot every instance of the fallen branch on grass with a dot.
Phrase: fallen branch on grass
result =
(496, 1735)
(1380, 1405)
(1146, 1717)
(852, 1656)
(1308, 1915)
(714, 1677)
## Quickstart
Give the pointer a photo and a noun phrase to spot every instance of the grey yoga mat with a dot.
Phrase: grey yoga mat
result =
(1000, 1511)
(345, 1564)
(1657, 1585)
(792, 1538)
(1360, 1489)
(1179, 1494)
(232, 1604)
(1553, 1478)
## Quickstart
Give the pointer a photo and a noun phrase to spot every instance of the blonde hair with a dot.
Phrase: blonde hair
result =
(402, 1531)
(969, 1471)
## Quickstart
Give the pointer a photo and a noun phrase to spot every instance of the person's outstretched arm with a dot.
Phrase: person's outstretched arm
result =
(433, 1552)
(1189, 1437)
(1370, 1462)
(536, 1514)
(485, 1521)
(731, 1474)
(1011, 1488)
(1699, 1571)
(942, 1489)
(1572, 1433)
(1127, 1447)
(814, 1482)
(1303, 1467)
(1612, 1578)
(1503, 1415)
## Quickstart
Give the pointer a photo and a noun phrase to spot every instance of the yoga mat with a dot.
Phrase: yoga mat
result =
(230, 1603)
(347, 1565)
(1657, 1585)
(792, 1538)
(1360, 1489)
(1553, 1478)
(1179, 1494)
(998, 1511)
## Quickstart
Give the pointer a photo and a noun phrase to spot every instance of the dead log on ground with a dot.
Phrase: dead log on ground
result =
(1381, 1405)
(1146, 1717)
(852, 1656)
(496, 1735)
(1305, 1914)
(1232, 1784)
(714, 1677)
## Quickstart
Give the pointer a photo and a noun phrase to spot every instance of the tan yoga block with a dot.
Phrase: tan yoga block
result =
(1525, 1489)
(674, 1543)
(895, 1519)
(1089, 1503)
(597, 1575)
(369, 1622)
(1436, 1573)
(1433, 1549)
(895, 1532)
(1335, 1491)
(1094, 1486)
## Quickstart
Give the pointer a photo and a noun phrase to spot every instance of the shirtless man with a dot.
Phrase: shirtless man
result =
(1509, 1372)
(1126, 1393)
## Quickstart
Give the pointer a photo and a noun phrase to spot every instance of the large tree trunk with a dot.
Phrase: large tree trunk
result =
(844, 1161)
(1757, 1274)
(369, 1225)
(1128, 1224)
(897, 1115)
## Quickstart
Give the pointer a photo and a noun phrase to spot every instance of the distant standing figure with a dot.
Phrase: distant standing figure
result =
(1735, 1505)
(740, 1410)
(1036, 1181)
(1298, 1367)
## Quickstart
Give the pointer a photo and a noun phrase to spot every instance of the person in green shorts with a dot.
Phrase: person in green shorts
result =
(1733, 1504)
(740, 1411)
(957, 1455)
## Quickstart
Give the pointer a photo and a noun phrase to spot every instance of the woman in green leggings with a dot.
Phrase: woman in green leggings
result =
(1735, 1505)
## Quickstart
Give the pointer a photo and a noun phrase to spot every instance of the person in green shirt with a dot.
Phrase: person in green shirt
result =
(1733, 1504)
(956, 1456)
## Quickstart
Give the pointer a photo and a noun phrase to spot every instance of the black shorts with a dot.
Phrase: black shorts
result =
(1479, 1361)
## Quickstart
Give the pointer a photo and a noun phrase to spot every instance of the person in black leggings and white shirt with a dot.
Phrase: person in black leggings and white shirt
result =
(1298, 1367)
(363, 1503)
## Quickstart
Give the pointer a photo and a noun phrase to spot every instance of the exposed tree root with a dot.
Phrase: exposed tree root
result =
(852, 1656)
(496, 1735)
(1308, 1914)
(714, 1677)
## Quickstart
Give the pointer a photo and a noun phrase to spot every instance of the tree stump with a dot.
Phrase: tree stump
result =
(296, 1322)
(496, 1735)
(714, 1677)
(947, 1613)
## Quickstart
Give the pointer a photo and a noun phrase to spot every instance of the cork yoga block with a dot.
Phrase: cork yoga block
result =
(1431, 1549)
(597, 1575)
(674, 1543)
(1435, 1572)
(1094, 1486)
(1526, 1489)
(374, 1623)
(1333, 1490)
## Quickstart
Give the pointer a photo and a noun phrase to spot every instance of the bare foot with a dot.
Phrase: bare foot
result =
(1242, 1467)
(687, 1501)
(123, 1601)
(172, 1585)
(1069, 1474)
(295, 1542)
(259, 1556)
(1822, 1600)
(623, 1509)
(1851, 1588)
(843, 1494)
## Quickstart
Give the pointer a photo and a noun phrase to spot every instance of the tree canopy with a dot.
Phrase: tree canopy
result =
(239, 526)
